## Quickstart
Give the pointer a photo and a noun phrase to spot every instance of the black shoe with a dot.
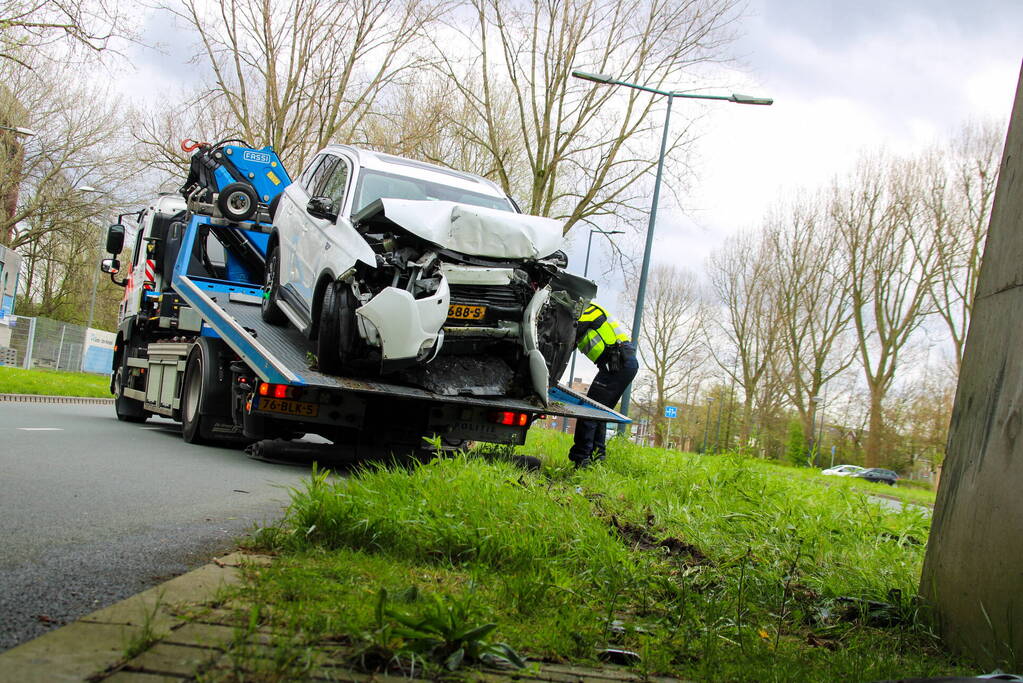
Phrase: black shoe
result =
(582, 464)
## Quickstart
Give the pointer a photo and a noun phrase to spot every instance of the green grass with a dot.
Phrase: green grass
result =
(710, 568)
(53, 383)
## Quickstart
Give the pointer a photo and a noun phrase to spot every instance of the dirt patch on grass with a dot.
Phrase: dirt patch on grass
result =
(643, 538)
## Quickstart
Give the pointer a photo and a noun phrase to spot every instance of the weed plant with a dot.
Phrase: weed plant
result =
(709, 568)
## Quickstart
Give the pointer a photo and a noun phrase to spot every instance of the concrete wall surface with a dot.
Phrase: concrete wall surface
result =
(973, 572)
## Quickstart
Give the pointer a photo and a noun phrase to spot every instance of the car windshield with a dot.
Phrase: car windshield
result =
(375, 185)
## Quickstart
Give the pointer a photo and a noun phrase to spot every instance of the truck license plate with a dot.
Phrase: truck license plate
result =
(460, 312)
(286, 407)
(491, 433)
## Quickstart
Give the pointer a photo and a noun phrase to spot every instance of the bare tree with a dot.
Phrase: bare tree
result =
(34, 26)
(812, 299)
(740, 275)
(672, 339)
(891, 266)
(584, 145)
(295, 74)
(958, 193)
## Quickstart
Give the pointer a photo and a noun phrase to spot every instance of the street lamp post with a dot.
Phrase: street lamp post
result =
(95, 275)
(814, 402)
(706, 426)
(671, 95)
(586, 271)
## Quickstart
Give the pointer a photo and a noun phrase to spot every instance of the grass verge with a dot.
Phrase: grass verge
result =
(907, 494)
(709, 568)
(53, 383)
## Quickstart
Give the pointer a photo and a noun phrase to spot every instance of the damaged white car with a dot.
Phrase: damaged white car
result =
(402, 268)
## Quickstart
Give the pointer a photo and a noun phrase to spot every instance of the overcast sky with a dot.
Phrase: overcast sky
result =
(846, 76)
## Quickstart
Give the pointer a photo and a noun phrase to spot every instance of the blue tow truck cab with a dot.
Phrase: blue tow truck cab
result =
(193, 346)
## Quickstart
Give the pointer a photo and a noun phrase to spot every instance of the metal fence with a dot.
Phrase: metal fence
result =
(50, 344)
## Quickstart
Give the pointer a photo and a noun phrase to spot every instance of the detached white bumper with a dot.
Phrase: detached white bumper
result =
(405, 329)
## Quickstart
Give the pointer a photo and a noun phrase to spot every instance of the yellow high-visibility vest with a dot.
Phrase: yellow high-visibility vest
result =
(599, 330)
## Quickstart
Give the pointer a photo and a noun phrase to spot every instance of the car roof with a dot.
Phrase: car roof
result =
(413, 168)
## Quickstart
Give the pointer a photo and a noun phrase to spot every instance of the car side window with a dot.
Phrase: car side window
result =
(307, 175)
(320, 174)
(336, 185)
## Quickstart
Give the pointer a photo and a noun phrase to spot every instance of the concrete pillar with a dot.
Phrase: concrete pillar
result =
(973, 572)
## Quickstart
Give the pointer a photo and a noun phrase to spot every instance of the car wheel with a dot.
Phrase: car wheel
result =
(269, 309)
(335, 339)
(238, 201)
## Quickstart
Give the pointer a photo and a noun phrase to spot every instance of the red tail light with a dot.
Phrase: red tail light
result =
(279, 390)
(511, 418)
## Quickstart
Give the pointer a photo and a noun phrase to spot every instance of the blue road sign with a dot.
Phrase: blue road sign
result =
(670, 411)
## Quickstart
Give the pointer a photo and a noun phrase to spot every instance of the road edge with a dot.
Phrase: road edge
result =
(42, 398)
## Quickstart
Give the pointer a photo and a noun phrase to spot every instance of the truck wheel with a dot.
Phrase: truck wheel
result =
(237, 201)
(127, 409)
(335, 341)
(200, 382)
(269, 309)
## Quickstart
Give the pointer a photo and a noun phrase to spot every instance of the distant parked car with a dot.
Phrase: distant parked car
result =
(842, 470)
(878, 475)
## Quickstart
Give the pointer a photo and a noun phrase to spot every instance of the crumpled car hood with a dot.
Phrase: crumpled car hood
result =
(475, 230)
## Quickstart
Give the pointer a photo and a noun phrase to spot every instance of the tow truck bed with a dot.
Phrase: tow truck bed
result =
(280, 355)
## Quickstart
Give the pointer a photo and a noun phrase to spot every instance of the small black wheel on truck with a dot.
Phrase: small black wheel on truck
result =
(127, 409)
(269, 309)
(201, 389)
(238, 201)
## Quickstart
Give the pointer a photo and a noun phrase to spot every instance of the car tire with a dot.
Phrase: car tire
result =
(238, 201)
(127, 409)
(274, 203)
(269, 309)
(334, 341)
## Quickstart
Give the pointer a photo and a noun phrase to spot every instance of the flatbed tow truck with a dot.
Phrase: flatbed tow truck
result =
(192, 346)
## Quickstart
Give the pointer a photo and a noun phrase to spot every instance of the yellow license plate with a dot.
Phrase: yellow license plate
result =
(460, 312)
(297, 408)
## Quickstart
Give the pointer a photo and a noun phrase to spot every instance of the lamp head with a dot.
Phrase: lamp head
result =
(596, 78)
(749, 99)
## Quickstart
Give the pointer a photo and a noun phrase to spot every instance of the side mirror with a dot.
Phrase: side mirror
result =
(115, 239)
(322, 207)
(112, 267)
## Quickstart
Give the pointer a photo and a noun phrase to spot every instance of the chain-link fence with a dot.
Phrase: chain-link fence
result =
(50, 344)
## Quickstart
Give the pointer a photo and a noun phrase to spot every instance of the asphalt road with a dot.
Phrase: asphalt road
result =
(93, 510)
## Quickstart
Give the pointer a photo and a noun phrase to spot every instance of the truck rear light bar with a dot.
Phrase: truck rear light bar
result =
(508, 417)
(279, 390)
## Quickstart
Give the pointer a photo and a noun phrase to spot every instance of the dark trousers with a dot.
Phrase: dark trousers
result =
(607, 388)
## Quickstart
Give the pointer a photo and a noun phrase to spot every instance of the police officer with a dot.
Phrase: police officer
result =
(601, 339)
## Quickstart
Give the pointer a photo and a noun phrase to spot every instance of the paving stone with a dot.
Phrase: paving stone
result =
(70, 653)
(141, 677)
(240, 559)
(173, 659)
(202, 635)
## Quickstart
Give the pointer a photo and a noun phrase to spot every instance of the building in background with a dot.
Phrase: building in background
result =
(10, 270)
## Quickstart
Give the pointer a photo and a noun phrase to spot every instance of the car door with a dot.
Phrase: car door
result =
(309, 237)
(293, 224)
(327, 247)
